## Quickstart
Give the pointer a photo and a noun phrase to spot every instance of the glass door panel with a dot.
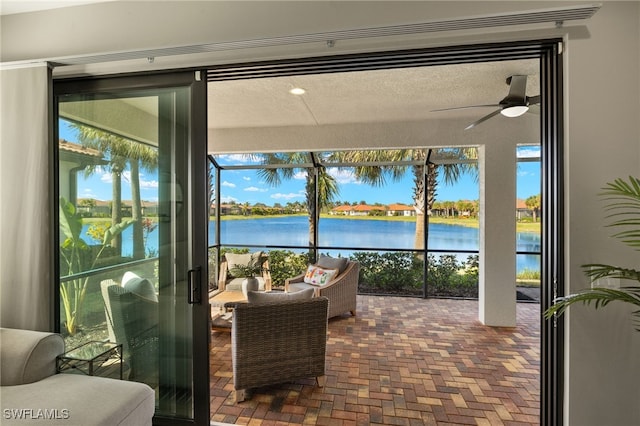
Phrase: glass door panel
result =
(131, 264)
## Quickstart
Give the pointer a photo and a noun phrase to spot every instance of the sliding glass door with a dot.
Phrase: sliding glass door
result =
(132, 215)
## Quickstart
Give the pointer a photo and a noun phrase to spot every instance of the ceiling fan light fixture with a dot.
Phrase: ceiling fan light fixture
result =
(514, 111)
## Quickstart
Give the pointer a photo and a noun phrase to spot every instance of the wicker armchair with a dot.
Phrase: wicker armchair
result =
(341, 290)
(133, 321)
(277, 342)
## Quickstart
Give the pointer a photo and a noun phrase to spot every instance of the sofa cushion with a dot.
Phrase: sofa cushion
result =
(319, 276)
(328, 262)
(235, 284)
(28, 356)
(277, 296)
(78, 400)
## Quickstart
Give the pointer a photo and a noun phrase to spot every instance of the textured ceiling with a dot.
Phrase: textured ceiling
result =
(408, 94)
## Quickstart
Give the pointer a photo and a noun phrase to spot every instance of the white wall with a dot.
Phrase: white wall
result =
(603, 143)
(602, 124)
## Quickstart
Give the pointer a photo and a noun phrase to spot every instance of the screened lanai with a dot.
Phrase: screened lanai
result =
(340, 228)
(355, 120)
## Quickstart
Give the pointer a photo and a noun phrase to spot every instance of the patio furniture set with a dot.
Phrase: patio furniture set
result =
(281, 336)
(277, 336)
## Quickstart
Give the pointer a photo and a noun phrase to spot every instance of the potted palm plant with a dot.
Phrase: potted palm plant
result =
(623, 207)
(249, 272)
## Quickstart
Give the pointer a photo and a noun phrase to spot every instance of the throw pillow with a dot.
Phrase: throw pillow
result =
(319, 276)
(277, 296)
(328, 262)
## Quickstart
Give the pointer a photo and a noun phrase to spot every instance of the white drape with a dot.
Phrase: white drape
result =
(26, 280)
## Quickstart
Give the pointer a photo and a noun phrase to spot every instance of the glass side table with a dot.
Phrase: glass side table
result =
(91, 358)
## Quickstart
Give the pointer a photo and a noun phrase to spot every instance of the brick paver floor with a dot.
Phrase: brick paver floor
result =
(401, 361)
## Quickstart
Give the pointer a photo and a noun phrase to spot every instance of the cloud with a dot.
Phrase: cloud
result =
(532, 152)
(526, 173)
(229, 184)
(228, 199)
(106, 177)
(289, 196)
(227, 159)
(88, 193)
(247, 178)
(344, 176)
(302, 174)
(148, 184)
(255, 189)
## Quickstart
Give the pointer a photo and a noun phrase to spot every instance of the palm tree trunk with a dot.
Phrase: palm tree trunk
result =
(418, 242)
(116, 208)
(136, 211)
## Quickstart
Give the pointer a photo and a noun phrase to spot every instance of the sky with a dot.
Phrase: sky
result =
(247, 186)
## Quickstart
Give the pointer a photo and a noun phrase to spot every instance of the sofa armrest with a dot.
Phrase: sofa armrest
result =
(28, 356)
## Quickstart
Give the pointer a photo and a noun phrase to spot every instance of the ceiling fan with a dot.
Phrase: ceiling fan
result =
(514, 104)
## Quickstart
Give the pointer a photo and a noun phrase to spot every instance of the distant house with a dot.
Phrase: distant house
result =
(400, 210)
(359, 210)
(340, 211)
(74, 158)
(229, 209)
(522, 210)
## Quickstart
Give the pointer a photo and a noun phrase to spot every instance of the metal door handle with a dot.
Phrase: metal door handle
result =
(193, 283)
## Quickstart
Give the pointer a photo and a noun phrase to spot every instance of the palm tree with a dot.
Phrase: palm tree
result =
(423, 197)
(623, 203)
(122, 151)
(326, 184)
(533, 204)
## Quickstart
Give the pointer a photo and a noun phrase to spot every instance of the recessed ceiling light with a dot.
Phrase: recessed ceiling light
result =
(297, 91)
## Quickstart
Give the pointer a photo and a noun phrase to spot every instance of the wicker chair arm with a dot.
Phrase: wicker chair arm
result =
(222, 278)
(266, 275)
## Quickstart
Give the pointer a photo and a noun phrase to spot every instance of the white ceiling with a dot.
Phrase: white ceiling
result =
(408, 94)
(10, 7)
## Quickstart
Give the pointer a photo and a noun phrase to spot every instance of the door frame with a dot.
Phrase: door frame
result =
(198, 210)
(549, 53)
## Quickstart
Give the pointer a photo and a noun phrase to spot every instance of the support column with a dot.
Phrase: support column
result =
(497, 281)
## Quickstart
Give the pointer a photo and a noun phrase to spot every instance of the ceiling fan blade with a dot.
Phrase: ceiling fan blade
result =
(517, 90)
(532, 100)
(534, 109)
(483, 119)
(465, 107)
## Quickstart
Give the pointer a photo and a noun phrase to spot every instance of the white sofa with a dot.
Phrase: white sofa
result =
(32, 393)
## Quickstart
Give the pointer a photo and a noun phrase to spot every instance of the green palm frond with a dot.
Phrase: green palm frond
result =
(623, 210)
(600, 297)
(623, 207)
(596, 271)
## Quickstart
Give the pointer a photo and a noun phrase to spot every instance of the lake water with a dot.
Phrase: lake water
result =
(365, 234)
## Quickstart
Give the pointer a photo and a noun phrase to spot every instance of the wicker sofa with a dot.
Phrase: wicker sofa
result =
(341, 290)
(278, 341)
(32, 392)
